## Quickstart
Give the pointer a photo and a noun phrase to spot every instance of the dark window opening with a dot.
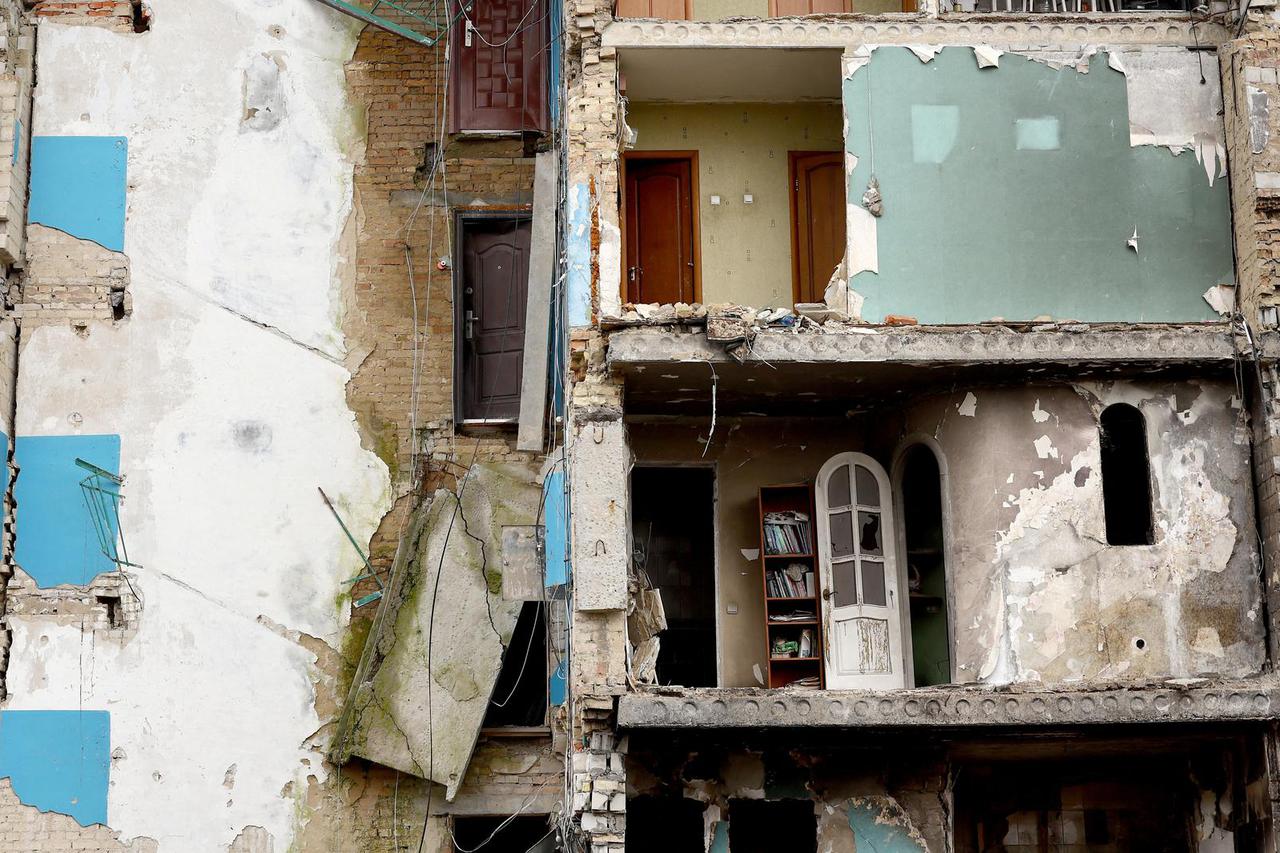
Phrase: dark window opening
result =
(673, 533)
(926, 567)
(668, 824)
(1105, 807)
(492, 286)
(115, 616)
(764, 826)
(1126, 476)
(520, 693)
(141, 16)
(523, 834)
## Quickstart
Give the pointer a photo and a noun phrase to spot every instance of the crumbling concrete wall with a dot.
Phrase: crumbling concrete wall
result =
(1036, 594)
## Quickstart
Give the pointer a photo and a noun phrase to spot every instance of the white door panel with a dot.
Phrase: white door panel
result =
(858, 571)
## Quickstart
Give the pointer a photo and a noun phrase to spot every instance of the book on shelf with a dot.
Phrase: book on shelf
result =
(787, 532)
(809, 682)
(795, 581)
(793, 616)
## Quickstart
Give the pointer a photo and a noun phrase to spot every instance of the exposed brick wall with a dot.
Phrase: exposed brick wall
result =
(24, 829)
(69, 279)
(399, 84)
(110, 14)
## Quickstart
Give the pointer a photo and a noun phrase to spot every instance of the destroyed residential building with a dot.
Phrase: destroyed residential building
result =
(640, 425)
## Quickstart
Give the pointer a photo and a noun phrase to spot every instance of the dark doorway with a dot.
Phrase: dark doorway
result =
(492, 281)
(666, 824)
(765, 826)
(926, 566)
(520, 835)
(673, 529)
(661, 266)
(817, 219)
(520, 693)
(1126, 476)
(499, 67)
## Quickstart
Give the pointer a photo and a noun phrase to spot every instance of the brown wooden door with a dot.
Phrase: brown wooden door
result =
(495, 271)
(499, 69)
(671, 10)
(788, 8)
(660, 247)
(817, 220)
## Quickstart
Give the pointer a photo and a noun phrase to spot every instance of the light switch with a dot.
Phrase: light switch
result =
(747, 198)
(732, 608)
(715, 200)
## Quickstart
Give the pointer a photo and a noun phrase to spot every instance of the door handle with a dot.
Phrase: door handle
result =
(631, 273)
(469, 322)
(827, 593)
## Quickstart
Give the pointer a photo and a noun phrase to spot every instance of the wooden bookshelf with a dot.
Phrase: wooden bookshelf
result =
(790, 497)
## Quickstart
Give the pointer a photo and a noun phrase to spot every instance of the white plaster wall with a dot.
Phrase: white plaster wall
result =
(227, 390)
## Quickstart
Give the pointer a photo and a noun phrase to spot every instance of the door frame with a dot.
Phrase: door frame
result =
(891, 561)
(897, 470)
(461, 219)
(715, 538)
(793, 193)
(695, 206)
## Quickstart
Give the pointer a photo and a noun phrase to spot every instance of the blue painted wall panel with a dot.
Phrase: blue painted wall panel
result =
(58, 761)
(556, 538)
(57, 542)
(78, 186)
(558, 684)
(579, 256)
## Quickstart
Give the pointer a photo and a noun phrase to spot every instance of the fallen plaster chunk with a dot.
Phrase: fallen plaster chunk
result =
(987, 56)
(924, 52)
(1221, 298)
(1038, 414)
(968, 406)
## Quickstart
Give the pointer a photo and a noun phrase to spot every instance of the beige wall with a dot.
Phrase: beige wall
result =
(742, 148)
(1035, 592)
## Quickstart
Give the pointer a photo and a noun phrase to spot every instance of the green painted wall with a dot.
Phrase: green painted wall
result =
(746, 248)
(1010, 192)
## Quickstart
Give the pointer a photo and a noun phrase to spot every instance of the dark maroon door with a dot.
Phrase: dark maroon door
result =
(495, 270)
(499, 67)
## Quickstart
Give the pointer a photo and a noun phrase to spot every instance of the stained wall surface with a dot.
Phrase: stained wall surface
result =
(220, 393)
(1035, 592)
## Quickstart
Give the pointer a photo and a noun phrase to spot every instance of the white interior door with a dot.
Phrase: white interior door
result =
(858, 571)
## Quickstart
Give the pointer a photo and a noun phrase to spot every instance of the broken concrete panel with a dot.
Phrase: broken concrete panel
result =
(601, 469)
(1259, 105)
(976, 274)
(421, 708)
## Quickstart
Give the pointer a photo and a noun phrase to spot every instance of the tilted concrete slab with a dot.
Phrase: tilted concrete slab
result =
(667, 708)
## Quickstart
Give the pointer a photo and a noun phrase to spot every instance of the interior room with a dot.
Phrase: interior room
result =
(736, 192)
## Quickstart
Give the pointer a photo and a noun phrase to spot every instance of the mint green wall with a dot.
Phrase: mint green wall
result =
(1010, 193)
